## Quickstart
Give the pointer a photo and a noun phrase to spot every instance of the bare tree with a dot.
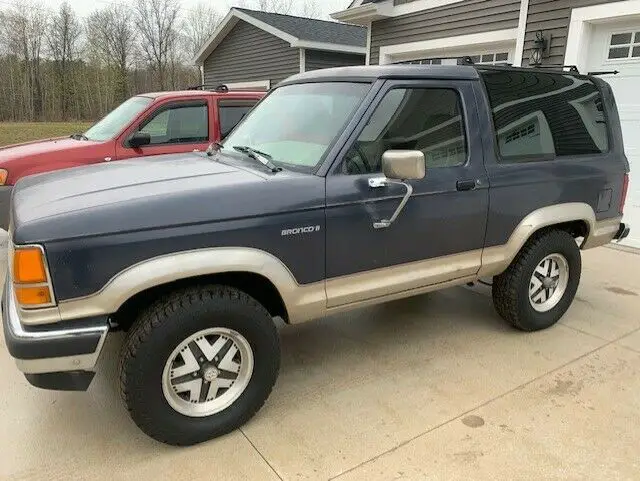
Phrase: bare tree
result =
(198, 25)
(304, 8)
(26, 26)
(111, 36)
(63, 35)
(309, 9)
(157, 21)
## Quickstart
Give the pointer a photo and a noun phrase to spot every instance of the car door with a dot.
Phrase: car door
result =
(439, 234)
(174, 127)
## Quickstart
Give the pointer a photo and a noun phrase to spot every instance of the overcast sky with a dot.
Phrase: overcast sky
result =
(85, 7)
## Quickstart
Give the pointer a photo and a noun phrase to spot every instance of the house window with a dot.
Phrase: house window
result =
(496, 58)
(624, 45)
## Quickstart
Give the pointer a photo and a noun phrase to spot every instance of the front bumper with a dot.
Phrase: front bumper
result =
(59, 356)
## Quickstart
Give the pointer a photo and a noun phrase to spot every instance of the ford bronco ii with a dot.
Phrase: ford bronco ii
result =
(342, 188)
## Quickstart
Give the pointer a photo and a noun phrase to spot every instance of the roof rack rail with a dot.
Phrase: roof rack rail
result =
(196, 87)
(604, 72)
(572, 68)
(221, 88)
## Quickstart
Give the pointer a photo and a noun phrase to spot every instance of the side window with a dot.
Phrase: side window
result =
(231, 114)
(425, 119)
(178, 124)
(543, 116)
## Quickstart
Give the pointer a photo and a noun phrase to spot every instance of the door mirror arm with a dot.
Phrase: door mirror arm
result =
(378, 182)
(398, 167)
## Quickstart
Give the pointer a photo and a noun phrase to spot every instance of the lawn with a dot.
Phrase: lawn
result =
(16, 132)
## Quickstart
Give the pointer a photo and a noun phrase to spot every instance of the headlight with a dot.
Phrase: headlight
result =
(3, 176)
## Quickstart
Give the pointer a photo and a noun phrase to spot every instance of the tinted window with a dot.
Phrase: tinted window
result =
(230, 116)
(179, 124)
(429, 120)
(542, 115)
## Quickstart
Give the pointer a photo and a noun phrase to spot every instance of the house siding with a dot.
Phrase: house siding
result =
(317, 59)
(553, 17)
(249, 54)
(463, 18)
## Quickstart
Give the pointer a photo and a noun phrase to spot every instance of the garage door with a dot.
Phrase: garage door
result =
(617, 47)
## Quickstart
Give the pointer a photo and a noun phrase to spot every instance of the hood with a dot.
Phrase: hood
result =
(140, 194)
(49, 146)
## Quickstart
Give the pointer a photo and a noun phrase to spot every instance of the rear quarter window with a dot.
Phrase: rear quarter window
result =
(542, 116)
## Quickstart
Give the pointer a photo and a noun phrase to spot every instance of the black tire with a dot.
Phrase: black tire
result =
(161, 328)
(511, 288)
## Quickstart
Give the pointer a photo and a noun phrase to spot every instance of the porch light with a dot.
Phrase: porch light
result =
(541, 48)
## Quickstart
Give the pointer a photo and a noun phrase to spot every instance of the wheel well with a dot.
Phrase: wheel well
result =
(577, 228)
(255, 285)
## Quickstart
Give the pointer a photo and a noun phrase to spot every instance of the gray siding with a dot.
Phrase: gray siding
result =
(552, 17)
(249, 54)
(401, 2)
(316, 59)
(470, 16)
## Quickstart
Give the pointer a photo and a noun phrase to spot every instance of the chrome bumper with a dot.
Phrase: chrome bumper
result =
(56, 356)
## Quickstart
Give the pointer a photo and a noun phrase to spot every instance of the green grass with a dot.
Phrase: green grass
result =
(16, 132)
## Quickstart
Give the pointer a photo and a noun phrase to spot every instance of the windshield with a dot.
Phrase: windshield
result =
(296, 124)
(116, 120)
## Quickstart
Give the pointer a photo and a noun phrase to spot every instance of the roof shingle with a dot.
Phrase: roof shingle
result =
(311, 29)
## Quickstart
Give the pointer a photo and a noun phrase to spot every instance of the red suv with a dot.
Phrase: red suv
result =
(147, 124)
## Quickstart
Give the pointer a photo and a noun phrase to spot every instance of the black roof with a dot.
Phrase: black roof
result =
(453, 72)
(313, 30)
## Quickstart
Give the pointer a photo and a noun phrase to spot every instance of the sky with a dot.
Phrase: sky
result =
(85, 7)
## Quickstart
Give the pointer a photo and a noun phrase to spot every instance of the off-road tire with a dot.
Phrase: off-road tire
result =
(169, 321)
(511, 288)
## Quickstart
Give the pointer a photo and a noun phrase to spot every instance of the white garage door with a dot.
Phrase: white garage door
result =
(617, 47)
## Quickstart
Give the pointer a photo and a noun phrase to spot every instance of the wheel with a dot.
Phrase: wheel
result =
(539, 286)
(199, 364)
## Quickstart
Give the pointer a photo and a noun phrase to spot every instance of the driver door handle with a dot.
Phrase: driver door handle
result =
(463, 185)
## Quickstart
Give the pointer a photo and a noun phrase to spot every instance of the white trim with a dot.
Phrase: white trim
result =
(201, 74)
(257, 85)
(368, 55)
(363, 14)
(235, 15)
(440, 45)
(580, 27)
(329, 47)
(303, 60)
(522, 31)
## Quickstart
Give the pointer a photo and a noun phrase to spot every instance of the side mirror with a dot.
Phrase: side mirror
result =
(139, 139)
(398, 166)
(403, 164)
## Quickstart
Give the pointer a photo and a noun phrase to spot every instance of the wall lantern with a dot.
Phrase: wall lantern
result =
(541, 48)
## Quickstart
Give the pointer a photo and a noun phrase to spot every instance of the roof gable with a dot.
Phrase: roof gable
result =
(299, 32)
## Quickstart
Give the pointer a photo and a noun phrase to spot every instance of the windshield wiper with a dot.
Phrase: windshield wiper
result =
(79, 137)
(263, 158)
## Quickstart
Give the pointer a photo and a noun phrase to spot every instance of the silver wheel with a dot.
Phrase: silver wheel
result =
(207, 372)
(548, 282)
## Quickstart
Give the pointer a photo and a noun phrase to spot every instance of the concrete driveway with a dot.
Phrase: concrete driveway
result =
(435, 387)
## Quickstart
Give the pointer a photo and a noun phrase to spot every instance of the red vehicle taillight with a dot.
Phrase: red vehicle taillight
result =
(625, 186)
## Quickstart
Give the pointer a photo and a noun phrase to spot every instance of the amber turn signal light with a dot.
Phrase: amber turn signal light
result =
(33, 296)
(28, 266)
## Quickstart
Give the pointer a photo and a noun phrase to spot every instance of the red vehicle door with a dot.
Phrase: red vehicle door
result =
(173, 127)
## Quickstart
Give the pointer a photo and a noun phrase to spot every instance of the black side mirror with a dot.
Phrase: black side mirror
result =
(139, 139)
